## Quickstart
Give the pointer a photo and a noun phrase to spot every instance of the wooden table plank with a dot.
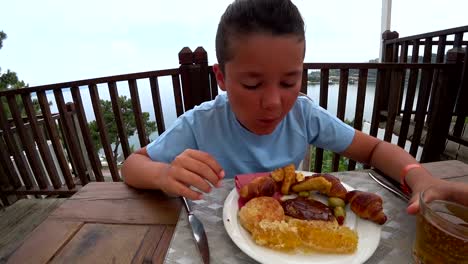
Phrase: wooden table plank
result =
(163, 245)
(108, 222)
(459, 179)
(116, 190)
(125, 211)
(44, 241)
(447, 168)
(103, 243)
(150, 244)
(117, 203)
(19, 220)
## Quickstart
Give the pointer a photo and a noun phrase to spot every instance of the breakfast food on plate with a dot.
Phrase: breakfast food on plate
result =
(326, 236)
(338, 206)
(264, 218)
(278, 174)
(324, 183)
(289, 178)
(367, 205)
(261, 186)
(299, 223)
(258, 209)
(337, 189)
(306, 236)
(307, 209)
(312, 184)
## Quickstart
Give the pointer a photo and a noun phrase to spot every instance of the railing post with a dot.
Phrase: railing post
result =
(74, 150)
(71, 108)
(388, 51)
(194, 76)
(383, 77)
(446, 91)
(461, 107)
(185, 68)
(200, 57)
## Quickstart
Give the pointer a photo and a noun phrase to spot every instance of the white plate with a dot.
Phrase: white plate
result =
(368, 232)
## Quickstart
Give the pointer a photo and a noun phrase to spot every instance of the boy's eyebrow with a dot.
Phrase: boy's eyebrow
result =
(293, 73)
(256, 74)
(250, 74)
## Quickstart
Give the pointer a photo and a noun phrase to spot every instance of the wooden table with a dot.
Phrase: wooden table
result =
(397, 234)
(104, 223)
(113, 223)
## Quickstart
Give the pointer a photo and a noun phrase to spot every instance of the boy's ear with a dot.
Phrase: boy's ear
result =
(219, 76)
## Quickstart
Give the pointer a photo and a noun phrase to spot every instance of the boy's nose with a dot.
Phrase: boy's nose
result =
(271, 98)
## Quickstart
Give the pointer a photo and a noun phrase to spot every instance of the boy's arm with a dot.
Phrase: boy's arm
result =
(190, 168)
(390, 159)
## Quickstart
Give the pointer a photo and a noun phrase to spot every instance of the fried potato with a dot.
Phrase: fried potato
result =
(300, 177)
(289, 178)
(313, 184)
(278, 174)
(258, 209)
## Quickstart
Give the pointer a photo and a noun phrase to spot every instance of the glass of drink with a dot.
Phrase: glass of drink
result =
(441, 229)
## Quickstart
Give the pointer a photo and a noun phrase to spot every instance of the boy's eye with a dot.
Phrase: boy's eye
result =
(251, 87)
(287, 85)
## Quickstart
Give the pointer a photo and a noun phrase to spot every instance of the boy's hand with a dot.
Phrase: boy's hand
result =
(191, 168)
(421, 182)
(444, 190)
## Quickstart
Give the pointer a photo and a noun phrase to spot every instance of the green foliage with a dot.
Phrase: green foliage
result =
(111, 126)
(327, 161)
(327, 165)
(334, 76)
(3, 36)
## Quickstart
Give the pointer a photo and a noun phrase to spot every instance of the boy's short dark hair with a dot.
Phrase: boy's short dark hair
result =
(243, 17)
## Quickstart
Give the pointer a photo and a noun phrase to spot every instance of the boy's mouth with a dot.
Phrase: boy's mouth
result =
(268, 121)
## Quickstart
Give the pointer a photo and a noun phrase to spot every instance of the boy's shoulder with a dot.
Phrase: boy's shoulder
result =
(304, 101)
(220, 101)
(208, 109)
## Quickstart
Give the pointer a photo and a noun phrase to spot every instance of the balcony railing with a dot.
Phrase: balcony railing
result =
(54, 154)
(433, 47)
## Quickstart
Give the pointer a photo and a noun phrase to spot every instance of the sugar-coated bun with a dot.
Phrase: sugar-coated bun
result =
(258, 209)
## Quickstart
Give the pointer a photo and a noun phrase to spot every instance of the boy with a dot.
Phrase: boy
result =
(261, 123)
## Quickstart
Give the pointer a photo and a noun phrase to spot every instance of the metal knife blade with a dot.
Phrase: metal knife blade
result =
(198, 232)
(397, 192)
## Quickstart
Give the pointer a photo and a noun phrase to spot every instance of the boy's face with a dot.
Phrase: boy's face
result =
(263, 79)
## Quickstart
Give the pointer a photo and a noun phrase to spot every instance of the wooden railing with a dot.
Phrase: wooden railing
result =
(426, 78)
(433, 48)
(73, 161)
(36, 172)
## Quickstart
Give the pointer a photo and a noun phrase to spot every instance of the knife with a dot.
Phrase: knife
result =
(397, 192)
(198, 233)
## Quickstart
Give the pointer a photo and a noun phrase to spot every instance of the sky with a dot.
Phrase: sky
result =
(52, 41)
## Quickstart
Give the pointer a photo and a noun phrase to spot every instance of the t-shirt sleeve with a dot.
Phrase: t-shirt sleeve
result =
(172, 142)
(327, 131)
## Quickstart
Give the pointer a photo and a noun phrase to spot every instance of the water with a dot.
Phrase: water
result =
(313, 91)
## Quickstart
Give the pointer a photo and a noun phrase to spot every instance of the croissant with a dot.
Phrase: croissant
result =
(261, 186)
(367, 205)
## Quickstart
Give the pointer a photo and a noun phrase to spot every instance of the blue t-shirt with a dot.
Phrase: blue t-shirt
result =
(213, 128)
